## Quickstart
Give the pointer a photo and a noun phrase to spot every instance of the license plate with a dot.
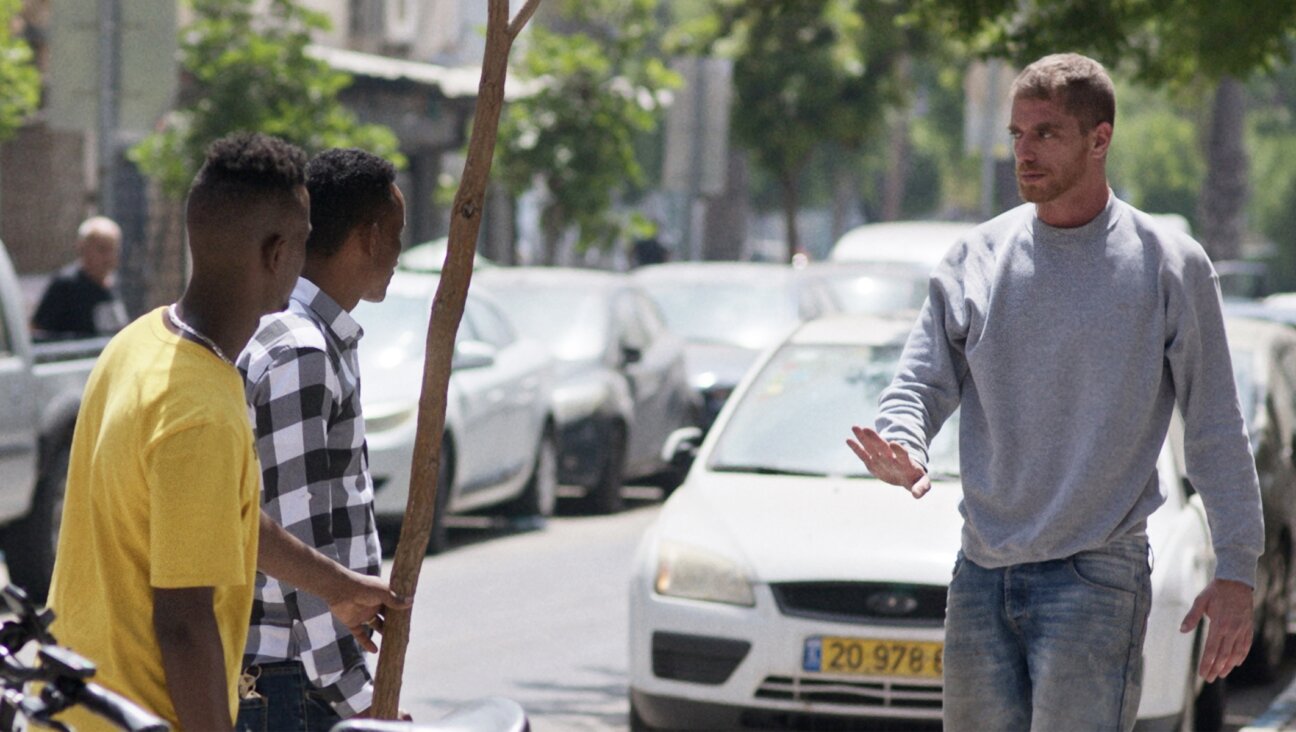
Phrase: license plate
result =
(871, 657)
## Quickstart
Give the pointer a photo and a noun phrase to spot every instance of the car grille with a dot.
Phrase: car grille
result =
(855, 602)
(903, 698)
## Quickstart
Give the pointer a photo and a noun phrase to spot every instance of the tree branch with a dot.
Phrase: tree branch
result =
(523, 16)
(447, 310)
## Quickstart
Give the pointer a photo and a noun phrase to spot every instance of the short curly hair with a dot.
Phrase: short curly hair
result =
(243, 168)
(348, 188)
(1079, 82)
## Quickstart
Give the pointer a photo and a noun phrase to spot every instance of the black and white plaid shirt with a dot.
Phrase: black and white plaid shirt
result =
(303, 390)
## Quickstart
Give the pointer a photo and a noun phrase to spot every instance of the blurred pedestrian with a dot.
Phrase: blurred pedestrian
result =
(303, 388)
(79, 301)
(648, 250)
(1068, 329)
(161, 531)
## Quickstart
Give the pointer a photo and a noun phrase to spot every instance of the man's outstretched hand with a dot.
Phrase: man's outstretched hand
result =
(889, 461)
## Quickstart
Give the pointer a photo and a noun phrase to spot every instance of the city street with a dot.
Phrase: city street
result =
(535, 616)
(539, 616)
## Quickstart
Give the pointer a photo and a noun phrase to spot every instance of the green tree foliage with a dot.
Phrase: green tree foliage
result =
(1159, 40)
(596, 83)
(246, 68)
(1156, 162)
(19, 79)
(807, 73)
(1272, 141)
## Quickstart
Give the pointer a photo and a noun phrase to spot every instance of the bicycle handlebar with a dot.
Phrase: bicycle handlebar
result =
(118, 709)
(65, 674)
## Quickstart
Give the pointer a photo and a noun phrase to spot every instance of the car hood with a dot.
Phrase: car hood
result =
(794, 528)
(725, 363)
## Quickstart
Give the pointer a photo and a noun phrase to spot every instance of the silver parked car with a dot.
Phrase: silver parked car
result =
(728, 312)
(499, 449)
(622, 382)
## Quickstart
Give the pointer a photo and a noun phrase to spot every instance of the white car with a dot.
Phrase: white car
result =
(499, 449)
(780, 582)
(920, 243)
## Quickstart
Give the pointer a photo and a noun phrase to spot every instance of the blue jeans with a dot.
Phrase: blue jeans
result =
(288, 703)
(1049, 646)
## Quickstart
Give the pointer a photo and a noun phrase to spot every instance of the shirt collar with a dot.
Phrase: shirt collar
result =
(326, 308)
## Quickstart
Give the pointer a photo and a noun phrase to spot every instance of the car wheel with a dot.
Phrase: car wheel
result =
(1270, 643)
(605, 495)
(439, 538)
(637, 724)
(541, 492)
(1208, 707)
(30, 543)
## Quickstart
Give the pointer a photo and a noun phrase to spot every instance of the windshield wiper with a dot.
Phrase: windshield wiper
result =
(766, 470)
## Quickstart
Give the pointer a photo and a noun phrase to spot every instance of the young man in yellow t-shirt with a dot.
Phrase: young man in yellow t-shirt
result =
(162, 532)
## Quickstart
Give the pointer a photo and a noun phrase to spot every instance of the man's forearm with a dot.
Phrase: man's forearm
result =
(193, 659)
(288, 559)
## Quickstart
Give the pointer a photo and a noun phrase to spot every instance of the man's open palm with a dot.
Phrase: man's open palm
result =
(889, 461)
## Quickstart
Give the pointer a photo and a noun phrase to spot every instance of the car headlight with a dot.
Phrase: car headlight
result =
(383, 417)
(696, 574)
(704, 380)
(577, 401)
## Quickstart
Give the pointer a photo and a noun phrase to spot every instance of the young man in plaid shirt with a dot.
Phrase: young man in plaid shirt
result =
(303, 390)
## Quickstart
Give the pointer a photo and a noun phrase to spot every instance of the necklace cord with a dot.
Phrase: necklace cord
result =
(193, 332)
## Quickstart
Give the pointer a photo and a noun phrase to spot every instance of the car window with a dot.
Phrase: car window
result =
(747, 314)
(649, 316)
(630, 329)
(491, 325)
(572, 322)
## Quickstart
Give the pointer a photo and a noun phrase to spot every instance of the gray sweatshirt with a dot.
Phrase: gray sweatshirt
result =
(1068, 349)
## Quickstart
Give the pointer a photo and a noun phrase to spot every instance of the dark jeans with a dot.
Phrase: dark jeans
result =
(288, 702)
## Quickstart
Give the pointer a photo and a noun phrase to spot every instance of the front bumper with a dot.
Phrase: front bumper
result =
(766, 683)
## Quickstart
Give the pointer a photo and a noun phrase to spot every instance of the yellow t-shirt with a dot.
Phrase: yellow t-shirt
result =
(162, 491)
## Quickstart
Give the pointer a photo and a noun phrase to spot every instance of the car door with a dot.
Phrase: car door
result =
(519, 372)
(477, 463)
(671, 406)
(18, 426)
(646, 372)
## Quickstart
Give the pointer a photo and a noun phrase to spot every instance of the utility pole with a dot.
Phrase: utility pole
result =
(109, 88)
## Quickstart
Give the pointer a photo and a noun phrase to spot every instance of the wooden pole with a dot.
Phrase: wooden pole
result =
(447, 309)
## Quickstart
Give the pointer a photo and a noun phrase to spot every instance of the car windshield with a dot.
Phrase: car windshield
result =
(391, 352)
(797, 414)
(747, 314)
(572, 322)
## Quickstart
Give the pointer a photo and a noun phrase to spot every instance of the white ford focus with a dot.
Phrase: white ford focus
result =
(782, 585)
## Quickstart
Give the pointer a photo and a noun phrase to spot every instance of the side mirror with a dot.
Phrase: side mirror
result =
(472, 355)
(681, 448)
(630, 355)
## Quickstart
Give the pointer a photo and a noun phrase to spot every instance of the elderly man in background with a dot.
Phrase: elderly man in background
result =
(78, 301)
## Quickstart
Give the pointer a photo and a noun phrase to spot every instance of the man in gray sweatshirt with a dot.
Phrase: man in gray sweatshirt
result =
(1068, 329)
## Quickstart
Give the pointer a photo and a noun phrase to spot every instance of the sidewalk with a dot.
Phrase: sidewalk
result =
(1281, 714)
